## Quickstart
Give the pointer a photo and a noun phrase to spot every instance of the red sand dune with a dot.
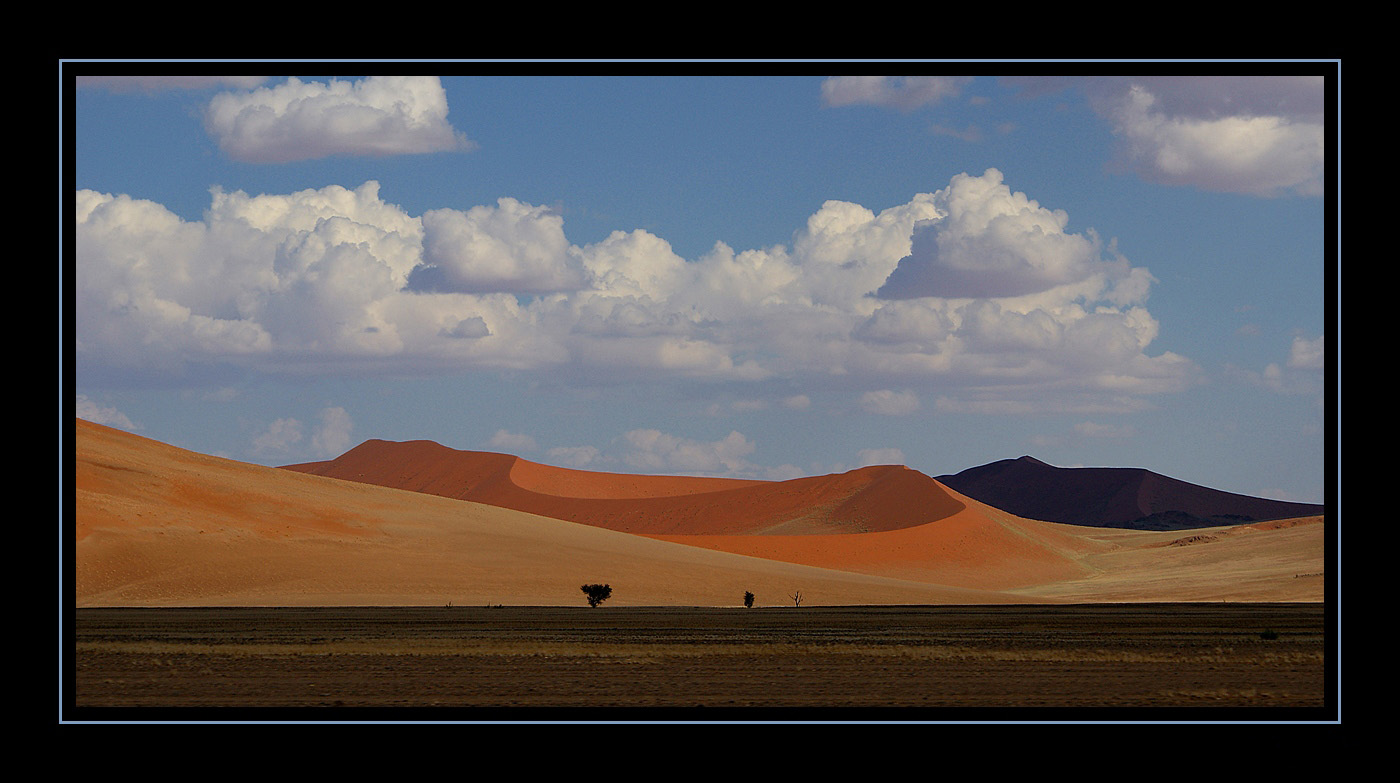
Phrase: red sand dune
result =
(886, 497)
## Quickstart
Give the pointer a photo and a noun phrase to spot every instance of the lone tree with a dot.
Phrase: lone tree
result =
(748, 600)
(597, 593)
(797, 598)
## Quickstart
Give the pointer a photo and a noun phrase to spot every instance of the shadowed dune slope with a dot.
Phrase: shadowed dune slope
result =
(160, 526)
(1113, 497)
(884, 497)
(977, 546)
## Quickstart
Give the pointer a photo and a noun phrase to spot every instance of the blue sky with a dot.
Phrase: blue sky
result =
(665, 271)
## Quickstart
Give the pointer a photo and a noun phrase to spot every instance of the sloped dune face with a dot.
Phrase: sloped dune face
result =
(159, 526)
(975, 547)
(888, 497)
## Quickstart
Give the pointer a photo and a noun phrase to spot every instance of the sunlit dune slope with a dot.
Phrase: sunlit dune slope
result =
(885, 497)
(1278, 560)
(161, 526)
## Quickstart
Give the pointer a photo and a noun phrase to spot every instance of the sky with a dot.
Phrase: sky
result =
(759, 271)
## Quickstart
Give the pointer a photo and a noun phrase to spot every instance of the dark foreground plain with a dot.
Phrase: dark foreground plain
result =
(1110, 662)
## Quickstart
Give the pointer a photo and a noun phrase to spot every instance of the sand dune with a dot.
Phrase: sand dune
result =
(160, 526)
(886, 497)
(157, 525)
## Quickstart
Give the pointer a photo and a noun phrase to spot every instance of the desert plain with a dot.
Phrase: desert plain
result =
(206, 583)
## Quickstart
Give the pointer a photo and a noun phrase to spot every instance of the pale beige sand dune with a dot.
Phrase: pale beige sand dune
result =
(159, 526)
(1283, 560)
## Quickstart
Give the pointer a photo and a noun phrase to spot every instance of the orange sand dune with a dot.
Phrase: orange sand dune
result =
(886, 497)
(160, 526)
(977, 546)
(425, 466)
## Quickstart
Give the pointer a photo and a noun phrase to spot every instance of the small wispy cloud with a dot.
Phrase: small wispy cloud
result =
(153, 84)
(884, 456)
(101, 414)
(512, 442)
(899, 92)
(284, 437)
(887, 402)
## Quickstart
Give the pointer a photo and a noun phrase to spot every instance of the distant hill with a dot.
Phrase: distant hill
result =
(1132, 498)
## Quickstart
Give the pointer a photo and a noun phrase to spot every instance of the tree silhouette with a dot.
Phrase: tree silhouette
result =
(797, 598)
(597, 593)
(748, 600)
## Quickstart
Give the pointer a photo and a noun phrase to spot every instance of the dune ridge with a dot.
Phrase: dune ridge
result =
(882, 497)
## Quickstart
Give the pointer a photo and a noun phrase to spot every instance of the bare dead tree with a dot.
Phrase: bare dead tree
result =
(797, 598)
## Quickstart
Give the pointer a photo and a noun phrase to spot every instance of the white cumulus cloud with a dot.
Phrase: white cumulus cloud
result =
(974, 288)
(296, 120)
(1257, 135)
(512, 246)
(993, 242)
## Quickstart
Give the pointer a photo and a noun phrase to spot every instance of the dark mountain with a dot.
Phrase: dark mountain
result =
(1132, 498)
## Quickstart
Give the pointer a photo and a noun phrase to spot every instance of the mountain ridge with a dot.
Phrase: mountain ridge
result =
(1128, 498)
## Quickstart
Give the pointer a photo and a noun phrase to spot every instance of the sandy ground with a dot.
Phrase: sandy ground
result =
(160, 526)
(510, 663)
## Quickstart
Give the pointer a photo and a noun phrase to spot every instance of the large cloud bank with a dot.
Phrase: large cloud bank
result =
(975, 291)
